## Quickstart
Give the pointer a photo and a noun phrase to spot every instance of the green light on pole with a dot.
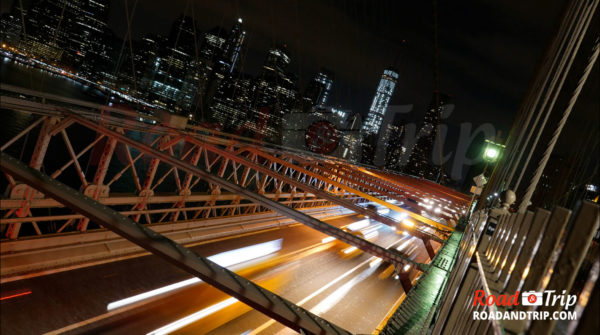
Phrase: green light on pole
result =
(492, 151)
(491, 154)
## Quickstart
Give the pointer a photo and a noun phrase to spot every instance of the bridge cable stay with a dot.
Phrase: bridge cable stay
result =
(573, 26)
(436, 88)
(555, 66)
(524, 113)
(528, 106)
(128, 19)
(266, 302)
(550, 147)
(129, 37)
(570, 20)
(567, 58)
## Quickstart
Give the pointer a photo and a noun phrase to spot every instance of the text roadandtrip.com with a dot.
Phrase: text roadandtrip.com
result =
(531, 298)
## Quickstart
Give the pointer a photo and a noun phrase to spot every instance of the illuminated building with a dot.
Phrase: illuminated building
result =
(394, 148)
(319, 88)
(173, 78)
(74, 32)
(381, 146)
(233, 47)
(275, 93)
(385, 89)
(220, 53)
(137, 74)
(231, 105)
(10, 26)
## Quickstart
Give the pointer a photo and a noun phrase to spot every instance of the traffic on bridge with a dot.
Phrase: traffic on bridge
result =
(223, 167)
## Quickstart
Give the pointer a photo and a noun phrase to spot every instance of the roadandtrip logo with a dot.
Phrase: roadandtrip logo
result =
(530, 298)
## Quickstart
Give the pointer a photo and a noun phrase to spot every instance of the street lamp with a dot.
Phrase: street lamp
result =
(492, 151)
(491, 154)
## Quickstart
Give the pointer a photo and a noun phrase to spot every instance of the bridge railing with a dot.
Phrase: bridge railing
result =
(536, 251)
(427, 299)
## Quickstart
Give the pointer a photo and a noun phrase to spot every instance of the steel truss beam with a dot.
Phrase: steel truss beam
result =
(319, 191)
(292, 178)
(390, 256)
(160, 207)
(426, 237)
(227, 281)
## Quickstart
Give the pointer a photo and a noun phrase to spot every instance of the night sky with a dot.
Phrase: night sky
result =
(489, 50)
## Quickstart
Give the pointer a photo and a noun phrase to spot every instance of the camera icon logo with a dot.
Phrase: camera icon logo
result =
(532, 298)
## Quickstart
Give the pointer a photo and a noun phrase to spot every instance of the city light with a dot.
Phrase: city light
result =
(218, 142)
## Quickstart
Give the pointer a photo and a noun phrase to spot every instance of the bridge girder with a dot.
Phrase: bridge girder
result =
(292, 179)
(261, 299)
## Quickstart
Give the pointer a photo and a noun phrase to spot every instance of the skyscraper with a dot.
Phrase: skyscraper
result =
(174, 78)
(275, 93)
(89, 35)
(419, 160)
(385, 89)
(220, 53)
(231, 104)
(234, 44)
(74, 32)
(319, 88)
(393, 145)
(213, 44)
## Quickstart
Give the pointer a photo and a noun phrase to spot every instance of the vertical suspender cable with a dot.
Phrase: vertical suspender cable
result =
(570, 22)
(523, 116)
(565, 65)
(572, 49)
(566, 113)
(436, 87)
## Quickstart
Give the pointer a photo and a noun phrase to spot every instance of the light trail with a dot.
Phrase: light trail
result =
(349, 250)
(319, 291)
(358, 225)
(224, 259)
(15, 295)
(334, 298)
(328, 239)
(173, 326)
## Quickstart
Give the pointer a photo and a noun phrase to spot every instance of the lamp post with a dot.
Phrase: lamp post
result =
(491, 154)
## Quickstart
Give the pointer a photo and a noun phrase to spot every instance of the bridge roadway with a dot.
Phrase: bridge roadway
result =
(79, 298)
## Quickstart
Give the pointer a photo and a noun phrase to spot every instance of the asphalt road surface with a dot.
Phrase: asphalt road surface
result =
(346, 289)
